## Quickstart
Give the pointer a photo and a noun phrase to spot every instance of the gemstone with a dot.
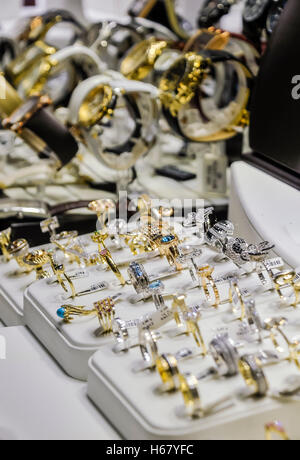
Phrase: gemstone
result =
(155, 285)
(167, 239)
(61, 313)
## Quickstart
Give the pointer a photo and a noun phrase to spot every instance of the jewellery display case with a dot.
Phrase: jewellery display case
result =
(149, 246)
(39, 402)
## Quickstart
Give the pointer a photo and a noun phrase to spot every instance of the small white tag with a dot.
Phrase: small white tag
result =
(297, 279)
(153, 320)
(271, 264)
(98, 287)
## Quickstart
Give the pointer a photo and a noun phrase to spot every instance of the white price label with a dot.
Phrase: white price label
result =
(271, 264)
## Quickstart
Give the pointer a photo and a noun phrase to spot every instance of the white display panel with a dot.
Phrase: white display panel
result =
(263, 208)
(38, 401)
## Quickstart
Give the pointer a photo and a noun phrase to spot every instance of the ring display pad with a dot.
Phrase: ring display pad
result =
(73, 344)
(39, 402)
(136, 408)
(13, 284)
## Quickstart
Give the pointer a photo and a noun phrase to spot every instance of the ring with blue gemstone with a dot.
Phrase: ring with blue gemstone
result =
(138, 277)
(156, 289)
(68, 312)
(168, 247)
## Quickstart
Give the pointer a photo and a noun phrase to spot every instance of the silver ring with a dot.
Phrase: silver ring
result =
(155, 289)
(225, 355)
(257, 374)
(138, 276)
(120, 332)
(148, 346)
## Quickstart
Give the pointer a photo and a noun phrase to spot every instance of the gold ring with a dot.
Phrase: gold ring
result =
(275, 428)
(59, 272)
(99, 238)
(284, 280)
(192, 323)
(37, 259)
(106, 313)
(167, 368)
(190, 391)
(18, 249)
(251, 370)
(148, 346)
(67, 312)
(168, 247)
(237, 301)
(297, 294)
(67, 238)
(293, 347)
(207, 280)
(102, 209)
(179, 308)
(107, 259)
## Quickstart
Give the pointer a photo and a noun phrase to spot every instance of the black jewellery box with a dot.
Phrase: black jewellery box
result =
(275, 108)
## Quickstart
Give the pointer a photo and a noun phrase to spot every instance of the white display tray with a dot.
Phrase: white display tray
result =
(38, 401)
(73, 344)
(139, 412)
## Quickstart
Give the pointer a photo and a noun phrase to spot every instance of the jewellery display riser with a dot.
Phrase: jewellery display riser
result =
(256, 215)
(73, 344)
(131, 402)
(131, 419)
(12, 293)
(39, 402)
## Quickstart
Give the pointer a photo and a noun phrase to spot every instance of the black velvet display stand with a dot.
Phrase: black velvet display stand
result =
(275, 114)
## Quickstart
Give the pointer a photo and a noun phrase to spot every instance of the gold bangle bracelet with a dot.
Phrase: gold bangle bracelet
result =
(5, 239)
(174, 20)
(141, 58)
(277, 429)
